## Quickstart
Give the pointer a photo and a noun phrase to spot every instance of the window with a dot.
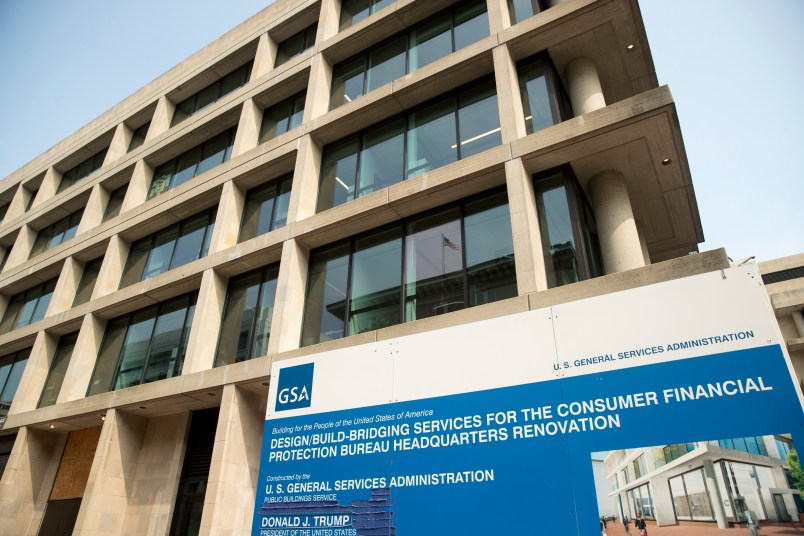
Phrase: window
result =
(455, 257)
(453, 127)
(751, 445)
(3, 210)
(523, 9)
(642, 501)
(640, 469)
(405, 52)
(115, 203)
(691, 500)
(282, 117)
(194, 162)
(353, 11)
(213, 92)
(544, 100)
(672, 452)
(138, 136)
(144, 346)
(266, 208)
(567, 227)
(11, 369)
(174, 246)
(58, 368)
(81, 171)
(4, 256)
(246, 324)
(27, 307)
(87, 284)
(29, 204)
(295, 44)
(57, 233)
(784, 445)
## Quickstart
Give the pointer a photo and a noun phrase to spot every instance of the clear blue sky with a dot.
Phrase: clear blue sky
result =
(735, 68)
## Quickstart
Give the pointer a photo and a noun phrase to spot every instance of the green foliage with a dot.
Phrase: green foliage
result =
(795, 469)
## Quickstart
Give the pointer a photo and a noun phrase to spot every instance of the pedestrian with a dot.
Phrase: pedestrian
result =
(640, 524)
(751, 520)
(625, 522)
(603, 522)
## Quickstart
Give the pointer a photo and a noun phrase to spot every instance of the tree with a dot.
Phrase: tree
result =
(795, 470)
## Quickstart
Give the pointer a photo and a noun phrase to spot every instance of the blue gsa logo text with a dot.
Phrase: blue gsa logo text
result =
(295, 387)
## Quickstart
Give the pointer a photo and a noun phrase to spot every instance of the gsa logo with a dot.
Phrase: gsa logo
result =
(295, 387)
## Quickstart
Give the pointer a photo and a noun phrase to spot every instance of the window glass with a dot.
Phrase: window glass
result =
(57, 233)
(190, 245)
(138, 136)
(430, 42)
(325, 306)
(479, 120)
(238, 319)
(338, 171)
(81, 171)
(382, 157)
(162, 177)
(431, 138)
(347, 81)
(520, 10)
(87, 284)
(353, 11)
(234, 80)
(11, 369)
(555, 227)
(213, 153)
(11, 313)
(489, 251)
(106, 365)
(295, 44)
(376, 280)
(161, 253)
(31, 199)
(535, 98)
(434, 272)
(700, 505)
(266, 208)
(275, 120)
(471, 24)
(58, 368)
(186, 166)
(386, 63)
(135, 348)
(298, 110)
(135, 263)
(265, 313)
(115, 203)
(166, 341)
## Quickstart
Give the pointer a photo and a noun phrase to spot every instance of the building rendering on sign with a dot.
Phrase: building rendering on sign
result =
(327, 174)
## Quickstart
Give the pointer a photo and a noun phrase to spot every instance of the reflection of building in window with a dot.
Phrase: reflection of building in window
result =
(11, 368)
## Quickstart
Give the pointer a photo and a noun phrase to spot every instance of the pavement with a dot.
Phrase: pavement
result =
(616, 529)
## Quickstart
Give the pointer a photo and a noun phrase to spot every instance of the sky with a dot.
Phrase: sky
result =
(735, 69)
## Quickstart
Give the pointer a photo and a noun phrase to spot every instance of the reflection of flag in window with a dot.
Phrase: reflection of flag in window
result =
(449, 244)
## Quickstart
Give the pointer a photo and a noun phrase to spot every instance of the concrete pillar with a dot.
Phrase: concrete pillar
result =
(66, 285)
(4, 299)
(82, 363)
(616, 228)
(798, 320)
(113, 475)
(48, 187)
(156, 480)
(137, 191)
(21, 249)
(93, 210)
(28, 479)
(512, 116)
(119, 145)
(328, 20)
(714, 490)
(304, 190)
(499, 18)
(286, 324)
(583, 82)
(201, 346)
(35, 373)
(248, 129)
(228, 218)
(643, 243)
(163, 115)
(111, 269)
(531, 275)
(229, 502)
(265, 57)
(18, 203)
(316, 103)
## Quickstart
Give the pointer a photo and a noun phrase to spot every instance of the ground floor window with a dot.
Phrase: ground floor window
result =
(691, 500)
(641, 502)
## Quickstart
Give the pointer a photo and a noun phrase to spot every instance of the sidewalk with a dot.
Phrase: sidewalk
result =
(616, 529)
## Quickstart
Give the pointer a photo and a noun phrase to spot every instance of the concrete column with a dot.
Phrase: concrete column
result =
(137, 191)
(616, 228)
(18, 203)
(21, 249)
(163, 115)
(286, 324)
(304, 190)
(201, 346)
(643, 244)
(3, 252)
(229, 502)
(328, 20)
(111, 269)
(583, 82)
(93, 210)
(119, 145)
(499, 18)
(35, 373)
(113, 475)
(228, 218)
(82, 363)
(48, 187)
(248, 129)
(509, 100)
(66, 285)
(798, 320)
(4, 299)
(156, 480)
(714, 490)
(265, 57)
(27, 480)
(531, 275)
(316, 103)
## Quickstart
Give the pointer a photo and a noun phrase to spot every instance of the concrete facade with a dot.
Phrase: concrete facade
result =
(622, 142)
